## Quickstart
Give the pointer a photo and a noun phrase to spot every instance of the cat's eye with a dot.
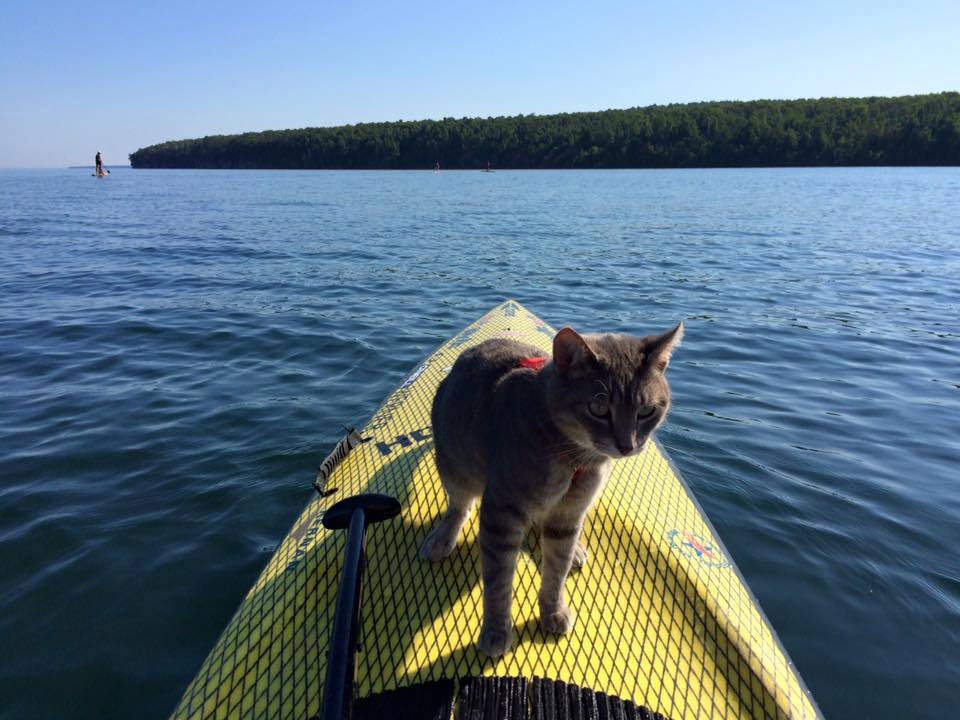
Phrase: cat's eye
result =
(599, 407)
(645, 411)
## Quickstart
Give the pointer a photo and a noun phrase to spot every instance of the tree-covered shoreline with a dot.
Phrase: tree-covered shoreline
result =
(909, 130)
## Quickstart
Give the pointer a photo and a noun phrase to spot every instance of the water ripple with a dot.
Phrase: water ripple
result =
(179, 349)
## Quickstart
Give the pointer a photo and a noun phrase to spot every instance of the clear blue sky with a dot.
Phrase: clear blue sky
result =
(76, 77)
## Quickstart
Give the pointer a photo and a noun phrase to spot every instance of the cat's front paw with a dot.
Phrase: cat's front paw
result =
(558, 621)
(495, 641)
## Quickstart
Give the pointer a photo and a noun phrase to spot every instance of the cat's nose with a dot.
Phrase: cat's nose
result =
(625, 449)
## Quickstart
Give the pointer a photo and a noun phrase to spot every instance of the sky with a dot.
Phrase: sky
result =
(77, 77)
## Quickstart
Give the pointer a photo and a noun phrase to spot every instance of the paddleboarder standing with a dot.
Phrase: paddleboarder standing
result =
(99, 163)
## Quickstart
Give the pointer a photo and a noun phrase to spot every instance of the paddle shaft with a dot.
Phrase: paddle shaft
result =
(341, 657)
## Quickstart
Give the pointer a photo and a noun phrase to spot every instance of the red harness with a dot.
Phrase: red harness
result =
(536, 364)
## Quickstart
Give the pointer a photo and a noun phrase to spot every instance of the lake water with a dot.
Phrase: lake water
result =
(179, 349)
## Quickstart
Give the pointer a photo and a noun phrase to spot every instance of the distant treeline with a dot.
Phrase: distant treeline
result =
(912, 130)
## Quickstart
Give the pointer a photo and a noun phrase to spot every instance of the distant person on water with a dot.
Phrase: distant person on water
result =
(436, 167)
(99, 163)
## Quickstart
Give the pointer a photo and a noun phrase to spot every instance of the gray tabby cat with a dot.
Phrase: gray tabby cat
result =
(536, 445)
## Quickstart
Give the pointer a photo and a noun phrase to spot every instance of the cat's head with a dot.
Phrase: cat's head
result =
(610, 392)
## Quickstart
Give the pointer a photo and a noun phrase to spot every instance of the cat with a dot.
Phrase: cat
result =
(534, 438)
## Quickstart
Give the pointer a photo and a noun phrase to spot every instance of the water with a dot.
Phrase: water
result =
(178, 350)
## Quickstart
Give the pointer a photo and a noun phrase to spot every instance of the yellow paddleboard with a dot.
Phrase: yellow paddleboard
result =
(664, 621)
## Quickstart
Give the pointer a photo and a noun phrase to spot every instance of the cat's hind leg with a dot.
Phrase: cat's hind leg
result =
(443, 538)
(462, 491)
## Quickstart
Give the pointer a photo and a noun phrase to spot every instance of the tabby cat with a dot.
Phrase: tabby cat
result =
(534, 437)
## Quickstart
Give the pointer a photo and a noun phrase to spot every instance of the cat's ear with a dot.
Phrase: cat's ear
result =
(570, 351)
(661, 347)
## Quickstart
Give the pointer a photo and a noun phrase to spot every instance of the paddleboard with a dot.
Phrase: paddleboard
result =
(666, 626)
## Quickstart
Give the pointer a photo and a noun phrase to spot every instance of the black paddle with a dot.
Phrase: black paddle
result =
(354, 514)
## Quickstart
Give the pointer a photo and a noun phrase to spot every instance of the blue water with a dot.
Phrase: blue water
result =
(178, 350)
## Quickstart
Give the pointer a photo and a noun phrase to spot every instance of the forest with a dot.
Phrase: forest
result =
(909, 130)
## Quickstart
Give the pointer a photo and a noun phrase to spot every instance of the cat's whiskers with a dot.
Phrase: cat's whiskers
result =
(573, 453)
(566, 451)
